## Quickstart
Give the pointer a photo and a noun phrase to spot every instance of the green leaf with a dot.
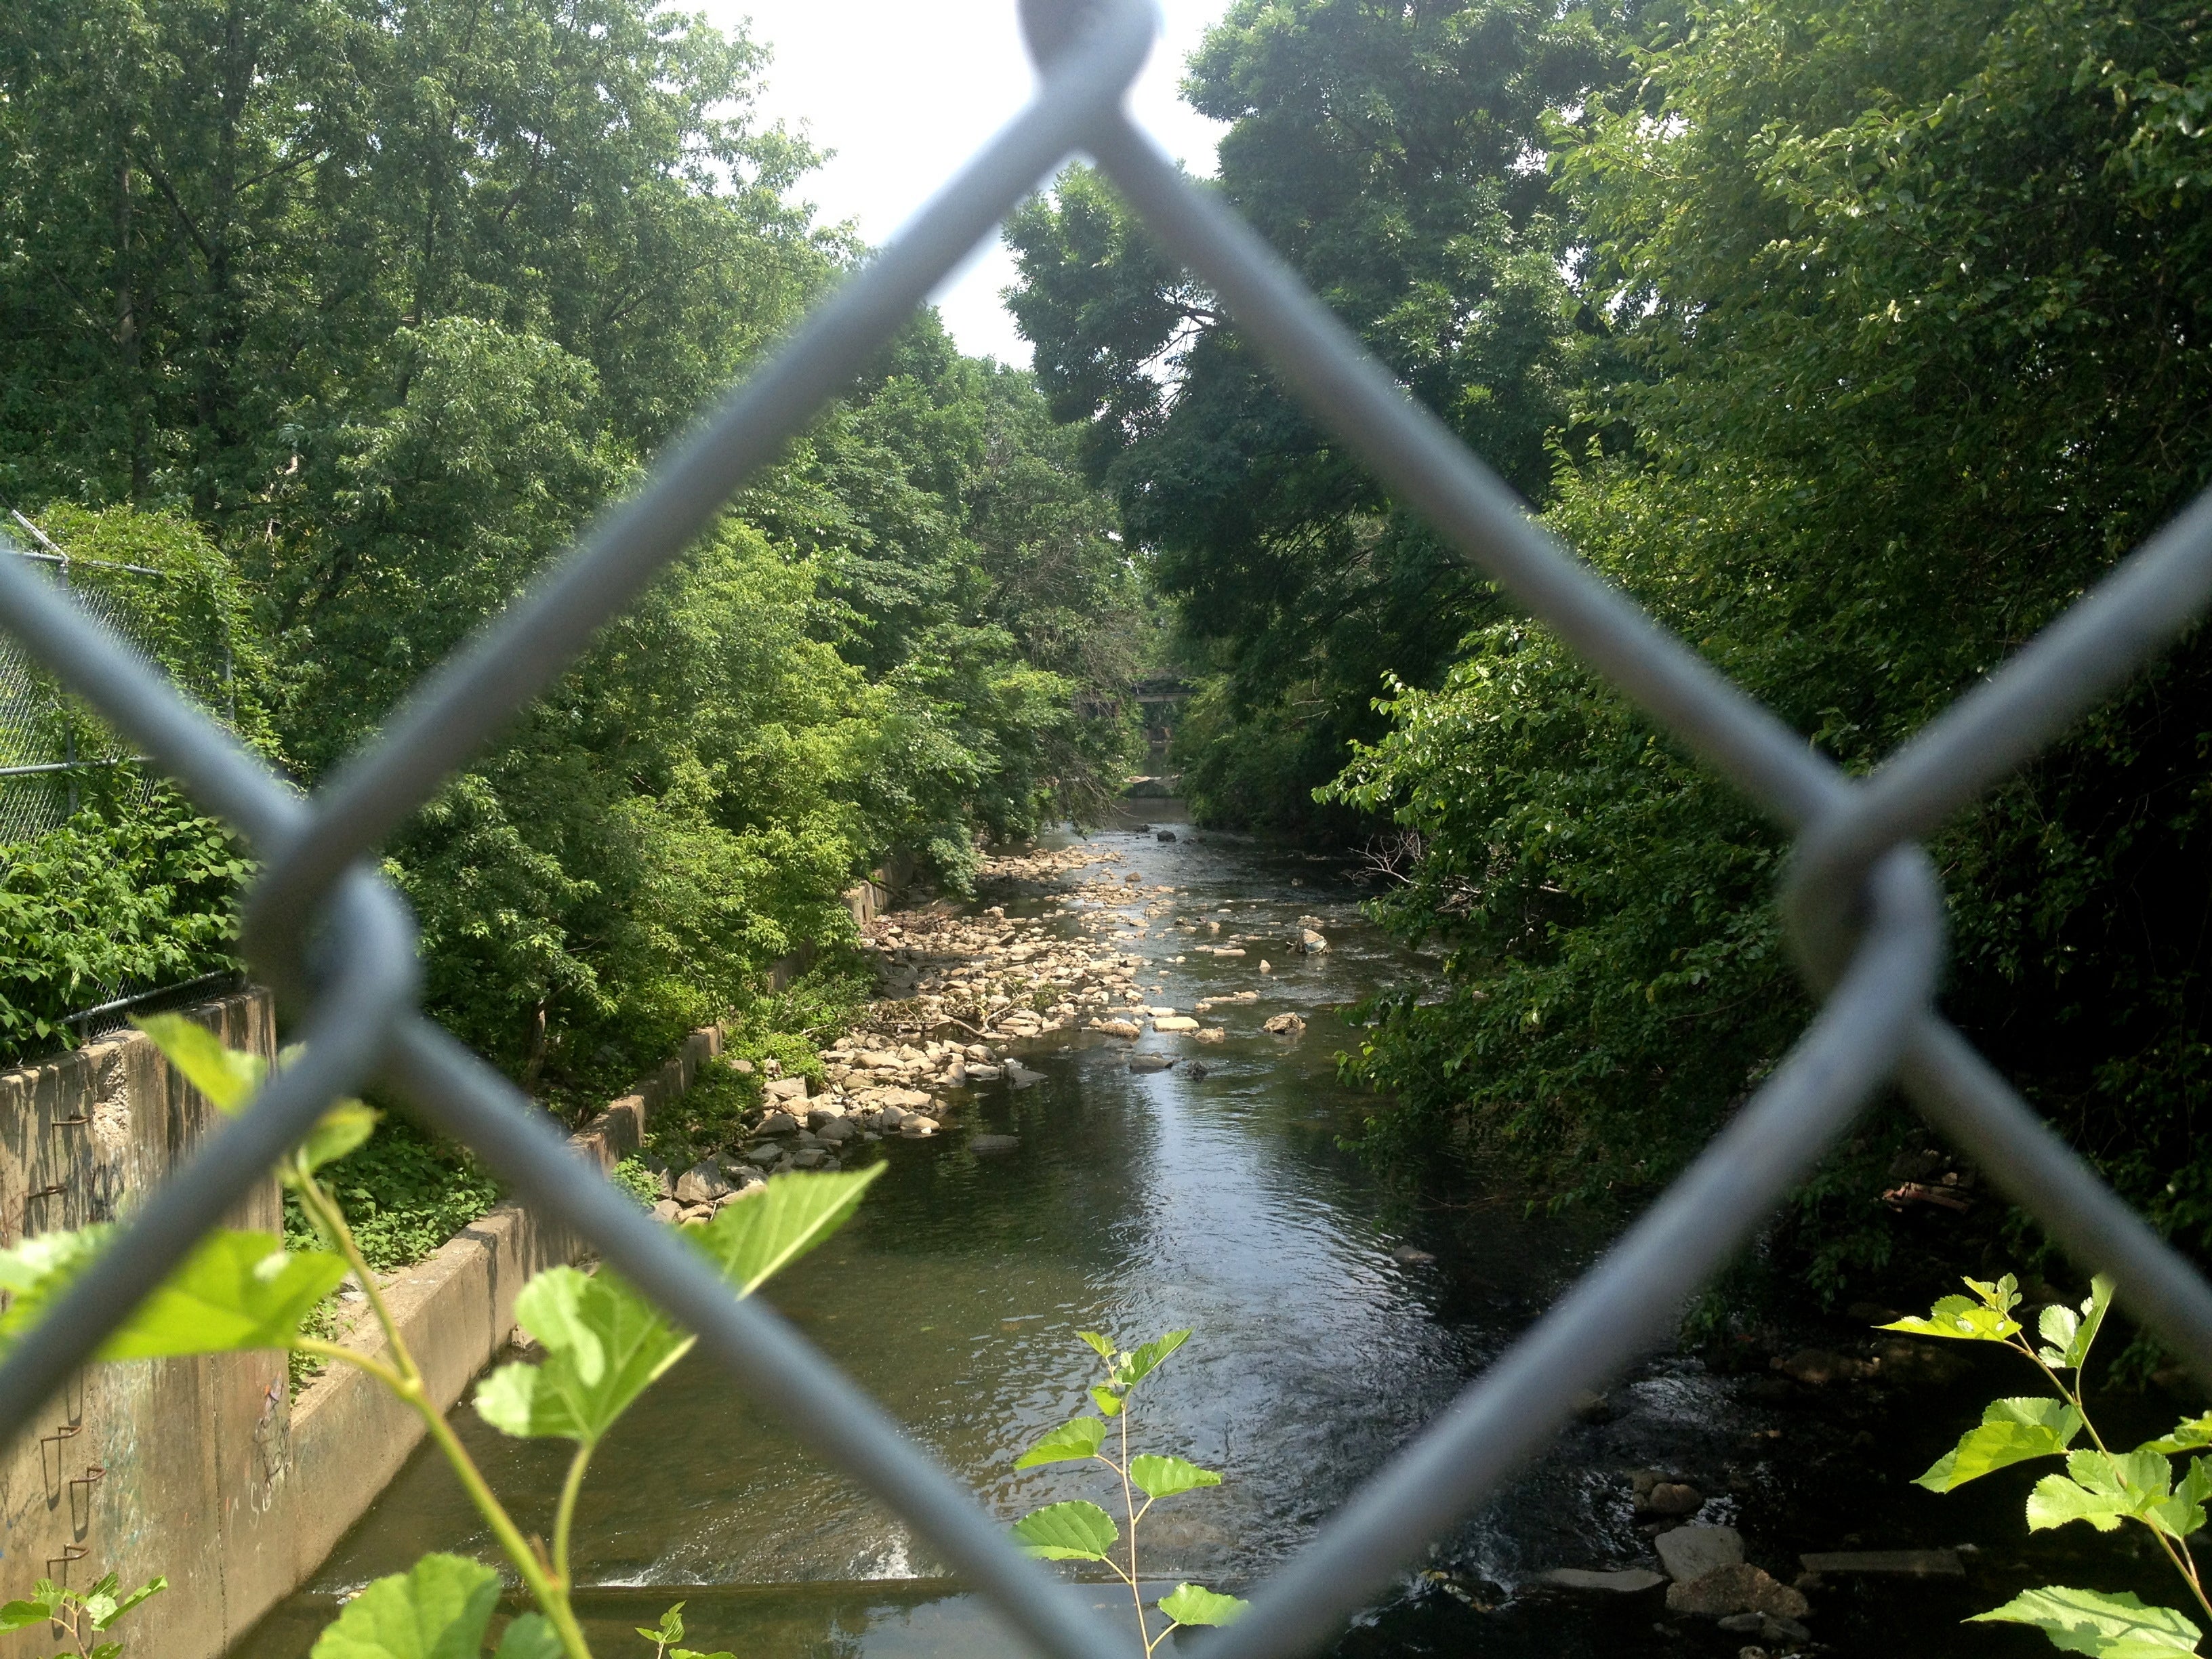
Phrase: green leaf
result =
(604, 1345)
(151, 1587)
(228, 1077)
(1067, 1532)
(38, 1609)
(669, 1629)
(1099, 1343)
(692, 1653)
(2011, 1431)
(753, 1239)
(1961, 1319)
(2068, 1334)
(2190, 1434)
(1078, 1437)
(1192, 1604)
(529, 1636)
(1103, 1396)
(2087, 1621)
(36, 1271)
(1164, 1477)
(345, 1127)
(237, 1291)
(2106, 1490)
(440, 1608)
(1142, 1362)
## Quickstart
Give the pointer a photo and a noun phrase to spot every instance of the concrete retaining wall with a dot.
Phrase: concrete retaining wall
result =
(202, 1470)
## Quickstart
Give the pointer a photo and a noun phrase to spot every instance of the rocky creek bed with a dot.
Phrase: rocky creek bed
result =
(1065, 1153)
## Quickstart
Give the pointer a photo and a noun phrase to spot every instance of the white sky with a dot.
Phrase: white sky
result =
(905, 92)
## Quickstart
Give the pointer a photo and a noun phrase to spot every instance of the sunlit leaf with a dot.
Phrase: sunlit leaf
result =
(2116, 1627)
(2070, 1333)
(1067, 1532)
(440, 1608)
(2190, 1434)
(750, 1240)
(1078, 1437)
(604, 1345)
(124, 1604)
(236, 1291)
(2103, 1490)
(2011, 1431)
(1108, 1401)
(228, 1077)
(1103, 1348)
(337, 1132)
(1960, 1318)
(669, 1629)
(1193, 1604)
(1144, 1361)
(38, 1608)
(1164, 1477)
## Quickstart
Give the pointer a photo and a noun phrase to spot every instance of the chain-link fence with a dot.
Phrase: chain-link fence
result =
(1864, 908)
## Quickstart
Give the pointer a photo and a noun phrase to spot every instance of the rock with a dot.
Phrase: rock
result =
(908, 1100)
(1165, 834)
(743, 1067)
(1285, 1025)
(695, 1213)
(1175, 1023)
(1739, 1589)
(1691, 1553)
(1627, 1581)
(983, 1073)
(1919, 1564)
(1266, 966)
(824, 1110)
(702, 1183)
(1311, 943)
(1818, 1367)
(666, 1209)
(1150, 1062)
(764, 1154)
(1195, 1068)
(779, 1123)
(1020, 1075)
(917, 1125)
(1673, 1498)
(1119, 1028)
(837, 1131)
(808, 1158)
(992, 1143)
(784, 1088)
(1409, 1256)
(1211, 1034)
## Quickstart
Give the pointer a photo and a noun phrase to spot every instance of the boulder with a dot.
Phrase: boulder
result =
(743, 1067)
(764, 1154)
(780, 1090)
(1163, 834)
(977, 1074)
(1673, 1498)
(992, 1143)
(702, 1183)
(836, 1130)
(825, 1109)
(1150, 1062)
(1627, 1581)
(917, 1125)
(1739, 1589)
(779, 1123)
(1311, 943)
(1266, 966)
(1210, 1034)
(666, 1209)
(1691, 1553)
(808, 1158)
(1175, 1023)
(1285, 1025)
(1119, 1028)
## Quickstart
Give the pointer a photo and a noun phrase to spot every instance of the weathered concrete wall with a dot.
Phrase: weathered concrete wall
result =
(202, 1469)
(152, 1465)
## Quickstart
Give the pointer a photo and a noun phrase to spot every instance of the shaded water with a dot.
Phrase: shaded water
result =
(1336, 1310)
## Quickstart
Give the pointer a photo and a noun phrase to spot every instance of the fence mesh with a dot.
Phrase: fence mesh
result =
(1862, 903)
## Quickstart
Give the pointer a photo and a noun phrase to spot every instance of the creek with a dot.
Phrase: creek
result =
(1337, 1307)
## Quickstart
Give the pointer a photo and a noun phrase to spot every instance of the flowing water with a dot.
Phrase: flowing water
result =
(1336, 1308)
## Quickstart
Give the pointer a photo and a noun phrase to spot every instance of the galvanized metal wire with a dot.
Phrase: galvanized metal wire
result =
(1864, 905)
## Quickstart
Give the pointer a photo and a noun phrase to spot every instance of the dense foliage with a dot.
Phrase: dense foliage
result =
(381, 305)
(1901, 320)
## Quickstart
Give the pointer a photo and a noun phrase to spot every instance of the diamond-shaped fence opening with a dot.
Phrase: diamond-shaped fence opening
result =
(1864, 906)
